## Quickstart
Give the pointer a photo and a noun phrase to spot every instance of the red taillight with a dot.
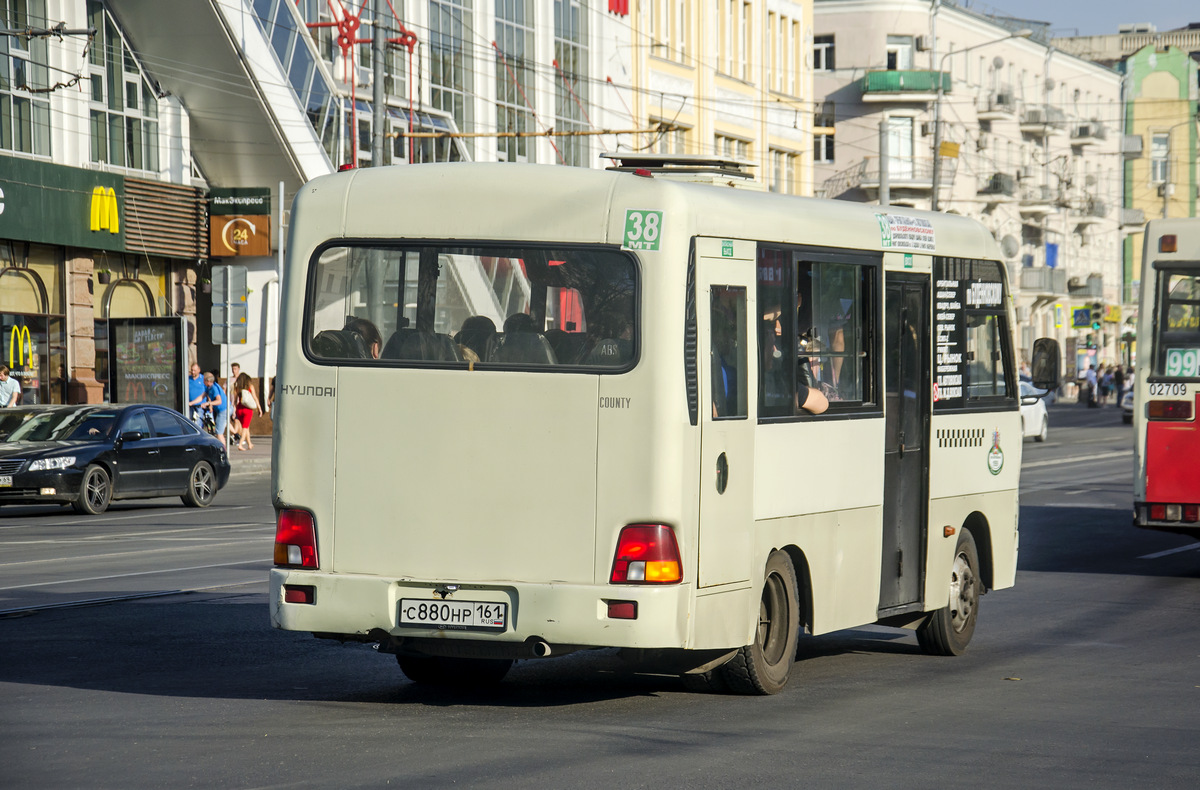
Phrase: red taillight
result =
(646, 554)
(1158, 512)
(1191, 513)
(1169, 410)
(295, 539)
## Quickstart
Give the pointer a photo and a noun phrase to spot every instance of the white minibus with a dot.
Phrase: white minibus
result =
(526, 410)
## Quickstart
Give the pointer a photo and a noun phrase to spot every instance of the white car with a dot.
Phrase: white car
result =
(1035, 421)
(1127, 406)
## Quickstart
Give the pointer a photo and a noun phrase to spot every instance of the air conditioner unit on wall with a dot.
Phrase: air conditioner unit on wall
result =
(924, 43)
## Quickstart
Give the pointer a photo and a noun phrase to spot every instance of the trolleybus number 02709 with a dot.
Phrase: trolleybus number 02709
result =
(454, 614)
(1168, 389)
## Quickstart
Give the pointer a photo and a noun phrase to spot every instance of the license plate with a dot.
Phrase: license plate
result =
(5, 481)
(454, 615)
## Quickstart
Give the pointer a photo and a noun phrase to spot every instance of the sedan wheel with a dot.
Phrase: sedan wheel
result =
(202, 486)
(95, 492)
(1045, 432)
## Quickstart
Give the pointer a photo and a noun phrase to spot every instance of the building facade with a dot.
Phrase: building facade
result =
(1028, 143)
(99, 216)
(731, 79)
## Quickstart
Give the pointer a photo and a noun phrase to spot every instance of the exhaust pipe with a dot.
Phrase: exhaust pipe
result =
(540, 649)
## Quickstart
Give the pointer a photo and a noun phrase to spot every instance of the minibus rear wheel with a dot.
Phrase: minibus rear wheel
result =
(948, 631)
(763, 666)
(436, 671)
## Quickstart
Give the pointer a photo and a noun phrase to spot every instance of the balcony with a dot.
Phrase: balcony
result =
(903, 86)
(1132, 218)
(1093, 288)
(1044, 280)
(997, 106)
(907, 172)
(1092, 212)
(1043, 119)
(1089, 133)
(998, 188)
(1037, 200)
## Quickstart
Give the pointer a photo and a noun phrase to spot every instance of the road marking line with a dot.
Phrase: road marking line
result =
(1177, 550)
(1077, 459)
(141, 514)
(139, 573)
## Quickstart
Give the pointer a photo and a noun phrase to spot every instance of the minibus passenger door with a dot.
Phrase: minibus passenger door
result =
(724, 304)
(906, 454)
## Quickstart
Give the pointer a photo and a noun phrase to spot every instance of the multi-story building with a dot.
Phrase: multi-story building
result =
(730, 79)
(100, 213)
(1028, 140)
(1161, 84)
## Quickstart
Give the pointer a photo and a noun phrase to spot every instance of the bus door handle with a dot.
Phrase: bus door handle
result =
(722, 473)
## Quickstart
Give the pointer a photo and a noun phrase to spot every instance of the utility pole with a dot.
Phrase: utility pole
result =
(379, 115)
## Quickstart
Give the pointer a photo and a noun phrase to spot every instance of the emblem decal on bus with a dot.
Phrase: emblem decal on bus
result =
(311, 391)
(995, 459)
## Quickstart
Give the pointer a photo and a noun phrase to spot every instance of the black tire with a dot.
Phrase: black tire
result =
(463, 672)
(202, 486)
(763, 667)
(948, 631)
(95, 491)
(1127, 418)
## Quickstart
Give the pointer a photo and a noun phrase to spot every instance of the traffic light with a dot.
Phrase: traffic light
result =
(1097, 315)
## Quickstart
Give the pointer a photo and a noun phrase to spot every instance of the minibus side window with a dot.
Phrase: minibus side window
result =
(972, 342)
(817, 327)
(728, 322)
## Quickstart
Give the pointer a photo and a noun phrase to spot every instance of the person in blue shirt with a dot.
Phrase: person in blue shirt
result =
(195, 393)
(214, 399)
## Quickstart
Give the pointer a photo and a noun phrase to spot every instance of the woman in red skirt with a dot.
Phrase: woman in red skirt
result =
(246, 404)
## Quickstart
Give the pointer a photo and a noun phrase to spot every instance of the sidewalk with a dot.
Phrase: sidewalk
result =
(253, 461)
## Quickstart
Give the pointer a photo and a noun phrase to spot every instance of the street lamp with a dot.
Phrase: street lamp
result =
(937, 107)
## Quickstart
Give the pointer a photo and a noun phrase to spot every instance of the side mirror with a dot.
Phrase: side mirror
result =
(1028, 400)
(132, 436)
(1046, 363)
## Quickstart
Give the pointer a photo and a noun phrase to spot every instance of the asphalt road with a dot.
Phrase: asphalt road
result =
(1083, 675)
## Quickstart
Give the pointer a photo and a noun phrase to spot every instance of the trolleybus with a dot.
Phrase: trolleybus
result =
(1167, 380)
(527, 410)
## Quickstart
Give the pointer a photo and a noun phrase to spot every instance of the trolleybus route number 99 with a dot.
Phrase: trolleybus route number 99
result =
(1183, 362)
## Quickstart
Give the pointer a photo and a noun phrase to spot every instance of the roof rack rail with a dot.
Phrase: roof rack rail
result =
(702, 168)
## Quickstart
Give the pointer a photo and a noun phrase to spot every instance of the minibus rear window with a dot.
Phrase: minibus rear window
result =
(471, 307)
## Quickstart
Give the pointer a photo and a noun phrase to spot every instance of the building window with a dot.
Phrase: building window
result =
(783, 172)
(782, 35)
(899, 53)
(823, 148)
(571, 87)
(732, 147)
(514, 79)
(671, 140)
(24, 115)
(124, 107)
(823, 52)
(1160, 146)
(451, 26)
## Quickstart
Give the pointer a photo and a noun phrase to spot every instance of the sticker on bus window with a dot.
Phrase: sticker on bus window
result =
(1183, 363)
(643, 229)
(905, 233)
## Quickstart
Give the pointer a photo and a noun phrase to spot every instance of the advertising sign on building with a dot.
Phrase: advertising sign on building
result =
(68, 206)
(147, 361)
(239, 222)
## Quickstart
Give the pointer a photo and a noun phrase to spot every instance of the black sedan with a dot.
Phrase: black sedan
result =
(87, 456)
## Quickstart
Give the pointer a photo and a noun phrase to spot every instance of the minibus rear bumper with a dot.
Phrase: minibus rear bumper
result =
(367, 608)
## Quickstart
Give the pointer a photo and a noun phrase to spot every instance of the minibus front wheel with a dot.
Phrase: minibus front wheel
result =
(948, 631)
(763, 667)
